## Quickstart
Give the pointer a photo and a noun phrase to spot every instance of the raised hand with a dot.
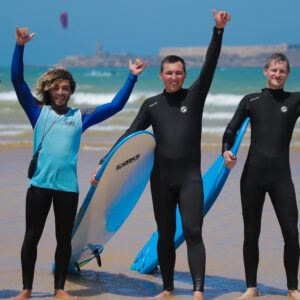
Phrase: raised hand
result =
(138, 67)
(221, 18)
(22, 36)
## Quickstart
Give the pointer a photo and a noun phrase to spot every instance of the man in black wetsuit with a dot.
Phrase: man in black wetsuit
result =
(273, 114)
(176, 118)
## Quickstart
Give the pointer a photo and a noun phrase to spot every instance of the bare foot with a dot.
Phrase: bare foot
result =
(164, 294)
(250, 293)
(198, 295)
(294, 294)
(63, 295)
(25, 294)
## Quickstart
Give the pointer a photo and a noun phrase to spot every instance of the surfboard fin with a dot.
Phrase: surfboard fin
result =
(97, 256)
(77, 267)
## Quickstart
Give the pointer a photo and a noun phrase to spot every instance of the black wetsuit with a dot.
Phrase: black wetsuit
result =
(38, 203)
(273, 114)
(176, 119)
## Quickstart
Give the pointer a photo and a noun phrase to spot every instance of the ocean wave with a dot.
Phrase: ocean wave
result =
(213, 130)
(8, 96)
(15, 126)
(84, 98)
(83, 86)
(102, 98)
(94, 73)
(220, 130)
(223, 99)
(100, 127)
(217, 116)
(106, 128)
(206, 115)
(11, 132)
(98, 99)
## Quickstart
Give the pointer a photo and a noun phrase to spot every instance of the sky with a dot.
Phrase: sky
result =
(140, 27)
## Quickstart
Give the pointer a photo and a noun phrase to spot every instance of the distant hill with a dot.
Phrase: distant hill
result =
(231, 56)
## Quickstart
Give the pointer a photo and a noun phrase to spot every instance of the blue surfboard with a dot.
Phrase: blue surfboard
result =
(213, 181)
(122, 179)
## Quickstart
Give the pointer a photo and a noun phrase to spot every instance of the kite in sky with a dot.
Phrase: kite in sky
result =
(64, 20)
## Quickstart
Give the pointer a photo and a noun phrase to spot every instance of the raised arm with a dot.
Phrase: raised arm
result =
(30, 106)
(203, 82)
(96, 115)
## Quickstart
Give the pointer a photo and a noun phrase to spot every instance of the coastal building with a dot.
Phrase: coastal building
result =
(231, 56)
(241, 51)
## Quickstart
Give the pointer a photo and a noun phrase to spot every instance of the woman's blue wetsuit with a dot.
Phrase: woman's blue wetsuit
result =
(56, 176)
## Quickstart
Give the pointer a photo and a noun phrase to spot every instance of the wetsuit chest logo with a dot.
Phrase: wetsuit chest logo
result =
(284, 109)
(256, 98)
(70, 123)
(183, 109)
(153, 104)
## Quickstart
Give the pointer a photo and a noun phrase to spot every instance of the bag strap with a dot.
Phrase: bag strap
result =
(45, 133)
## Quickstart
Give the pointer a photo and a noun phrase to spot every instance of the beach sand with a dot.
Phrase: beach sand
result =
(223, 237)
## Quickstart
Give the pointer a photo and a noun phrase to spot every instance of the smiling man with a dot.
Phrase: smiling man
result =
(53, 176)
(61, 93)
(273, 114)
(172, 73)
(176, 118)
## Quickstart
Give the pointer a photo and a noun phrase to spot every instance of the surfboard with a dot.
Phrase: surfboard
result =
(213, 181)
(122, 179)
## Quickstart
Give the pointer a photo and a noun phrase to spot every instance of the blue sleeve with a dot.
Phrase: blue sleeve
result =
(24, 95)
(93, 116)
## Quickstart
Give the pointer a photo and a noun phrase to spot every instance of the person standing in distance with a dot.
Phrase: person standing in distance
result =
(57, 134)
(273, 113)
(176, 118)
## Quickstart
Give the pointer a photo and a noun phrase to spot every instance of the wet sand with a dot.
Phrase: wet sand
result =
(223, 234)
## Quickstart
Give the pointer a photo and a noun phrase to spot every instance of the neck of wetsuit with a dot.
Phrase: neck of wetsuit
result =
(175, 98)
(60, 109)
(275, 92)
(175, 94)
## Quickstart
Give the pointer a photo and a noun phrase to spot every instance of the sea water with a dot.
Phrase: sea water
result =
(96, 86)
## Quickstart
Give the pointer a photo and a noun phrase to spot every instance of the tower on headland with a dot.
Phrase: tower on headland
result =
(99, 52)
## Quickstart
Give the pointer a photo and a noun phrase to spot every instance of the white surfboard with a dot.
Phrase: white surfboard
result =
(122, 179)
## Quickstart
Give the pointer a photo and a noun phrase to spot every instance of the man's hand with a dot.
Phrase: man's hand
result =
(94, 182)
(22, 36)
(230, 159)
(138, 67)
(221, 18)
